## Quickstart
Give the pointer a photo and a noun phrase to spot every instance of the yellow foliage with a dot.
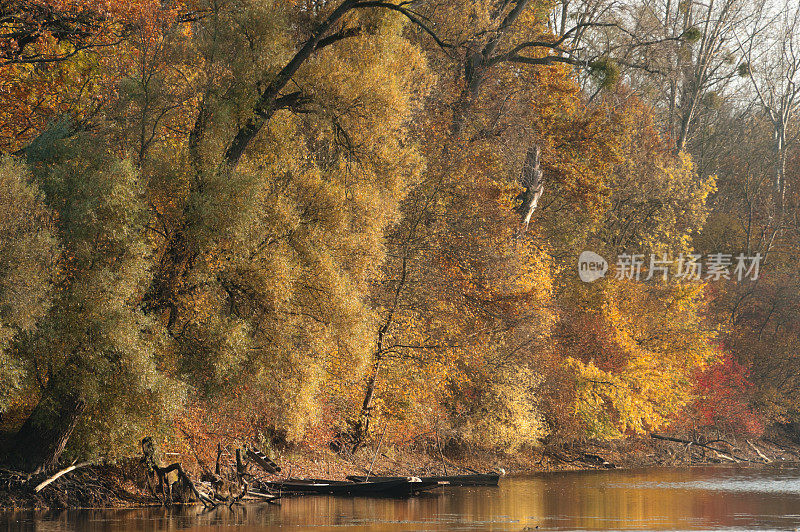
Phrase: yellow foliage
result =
(646, 344)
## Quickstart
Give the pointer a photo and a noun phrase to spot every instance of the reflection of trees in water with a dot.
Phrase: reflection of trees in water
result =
(660, 499)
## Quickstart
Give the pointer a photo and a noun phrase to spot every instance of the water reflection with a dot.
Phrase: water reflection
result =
(668, 499)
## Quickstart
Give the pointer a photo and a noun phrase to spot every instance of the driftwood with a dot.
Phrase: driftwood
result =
(229, 492)
(148, 458)
(235, 487)
(81, 486)
(268, 497)
(586, 458)
(758, 452)
(721, 453)
(263, 461)
(64, 471)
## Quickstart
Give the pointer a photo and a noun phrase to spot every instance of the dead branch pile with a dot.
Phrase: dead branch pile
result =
(137, 482)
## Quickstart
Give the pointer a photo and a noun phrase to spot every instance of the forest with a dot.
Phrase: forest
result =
(321, 222)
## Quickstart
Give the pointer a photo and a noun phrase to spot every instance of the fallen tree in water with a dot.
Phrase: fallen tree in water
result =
(167, 488)
(132, 482)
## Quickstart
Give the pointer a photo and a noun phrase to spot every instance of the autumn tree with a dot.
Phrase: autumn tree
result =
(29, 271)
(745, 218)
(343, 213)
(190, 265)
(60, 58)
(93, 351)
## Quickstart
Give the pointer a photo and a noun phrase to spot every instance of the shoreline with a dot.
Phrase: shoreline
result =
(123, 484)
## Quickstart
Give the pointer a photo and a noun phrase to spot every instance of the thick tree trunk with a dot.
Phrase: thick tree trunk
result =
(44, 435)
(266, 104)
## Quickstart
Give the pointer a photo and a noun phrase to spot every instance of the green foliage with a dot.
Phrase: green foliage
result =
(605, 71)
(28, 268)
(713, 100)
(743, 70)
(94, 344)
(692, 35)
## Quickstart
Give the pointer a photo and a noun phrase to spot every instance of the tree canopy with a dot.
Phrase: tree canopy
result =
(303, 218)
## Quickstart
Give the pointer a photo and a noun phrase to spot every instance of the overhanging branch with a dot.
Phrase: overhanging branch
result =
(267, 102)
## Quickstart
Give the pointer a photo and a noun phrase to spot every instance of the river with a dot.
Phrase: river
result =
(701, 498)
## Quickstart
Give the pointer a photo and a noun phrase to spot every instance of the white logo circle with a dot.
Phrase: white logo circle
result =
(591, 266)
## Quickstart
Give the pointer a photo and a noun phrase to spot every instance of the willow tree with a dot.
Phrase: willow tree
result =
(93, 352)
(269, 215)
(221, 221)
(29, 270)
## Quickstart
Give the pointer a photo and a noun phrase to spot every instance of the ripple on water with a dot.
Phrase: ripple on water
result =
(746, 485)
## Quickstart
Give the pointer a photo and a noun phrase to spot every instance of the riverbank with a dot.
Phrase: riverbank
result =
(124, 483)
(658, 498)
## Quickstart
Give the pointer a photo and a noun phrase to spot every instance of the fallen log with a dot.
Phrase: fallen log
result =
(726, 442)
(758, 452)
(53, 478)
(724, 457)
(698, 444)
(264, 497)
(263, 461)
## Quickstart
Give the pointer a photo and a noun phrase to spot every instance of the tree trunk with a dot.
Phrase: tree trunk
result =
(532, 179)
(41, 439)
(780, 165)
(686, 122)
(364, 418)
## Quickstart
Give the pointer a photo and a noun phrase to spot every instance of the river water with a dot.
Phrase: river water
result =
(699, 498)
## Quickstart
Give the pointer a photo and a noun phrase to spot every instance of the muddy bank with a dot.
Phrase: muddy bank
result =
(125, 483)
